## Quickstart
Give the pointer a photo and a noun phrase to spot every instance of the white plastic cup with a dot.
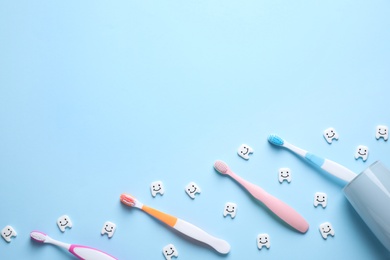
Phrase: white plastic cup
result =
(369, 194)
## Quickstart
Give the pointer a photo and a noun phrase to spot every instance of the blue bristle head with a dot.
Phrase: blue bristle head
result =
(275, 140)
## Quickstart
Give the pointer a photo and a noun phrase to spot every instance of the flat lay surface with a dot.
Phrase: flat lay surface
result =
(103, 98)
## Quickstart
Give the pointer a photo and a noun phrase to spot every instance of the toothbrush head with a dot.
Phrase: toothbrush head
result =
(275, 140)
(128, 200)
(221, 167)
(38, 236)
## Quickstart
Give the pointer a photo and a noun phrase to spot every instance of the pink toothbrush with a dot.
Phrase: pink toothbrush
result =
(81, 252)
(281, 209)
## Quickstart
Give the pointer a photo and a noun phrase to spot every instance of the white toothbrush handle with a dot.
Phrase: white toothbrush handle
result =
(196, 233)
(331, 167)
(89, 253)
(338, 170)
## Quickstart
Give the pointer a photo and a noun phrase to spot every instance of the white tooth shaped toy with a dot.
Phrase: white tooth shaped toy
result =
(382, 131)
(108, 228)
(64, 222)
(8, 232)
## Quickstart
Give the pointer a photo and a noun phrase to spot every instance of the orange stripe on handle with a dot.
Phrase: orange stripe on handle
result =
(167, 219)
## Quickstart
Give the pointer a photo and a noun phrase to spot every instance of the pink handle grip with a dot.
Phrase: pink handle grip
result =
(281, 209)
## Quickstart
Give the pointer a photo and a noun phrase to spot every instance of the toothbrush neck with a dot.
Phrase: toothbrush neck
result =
(295, 149)
(58, 243)
(244, 183)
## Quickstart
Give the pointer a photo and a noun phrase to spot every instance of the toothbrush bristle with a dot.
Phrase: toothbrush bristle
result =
(221, 167)
(38, 236)
(128, 200)
(275, 140)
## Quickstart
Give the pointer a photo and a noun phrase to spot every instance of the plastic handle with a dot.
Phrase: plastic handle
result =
(163, 217)
(338, 170)
(196, 233)
(281, 209)
(89, 253)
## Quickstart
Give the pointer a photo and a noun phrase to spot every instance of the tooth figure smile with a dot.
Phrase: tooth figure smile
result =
(64, 222)
(263, 240)
(326, 230)
(244, 151)
(170, 251)
(320, 198)
(330, 134)
(382, 131)
(361, 152)
(108, 228)
(157, 187)
(8, 232)
(230, 209)
(284, 174)
(192, 189)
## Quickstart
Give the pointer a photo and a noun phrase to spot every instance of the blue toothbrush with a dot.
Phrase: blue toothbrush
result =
(329, 166)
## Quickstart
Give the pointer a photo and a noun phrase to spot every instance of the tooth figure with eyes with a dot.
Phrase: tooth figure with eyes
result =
(108, 228)
(263, 240)
(330, 134)
(361, 152)
(157, 187)
(284, 175)
(64, 222)
(192, 188)
(230, 209)
(320, 198)
(382, 131)
(8, 232)
(170, 251)
(244, 150)
(326, 229)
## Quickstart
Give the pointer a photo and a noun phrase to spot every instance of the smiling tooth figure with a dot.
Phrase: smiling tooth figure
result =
(326, 229)
(108, 228)
(382, 131)
(64, 222)
(330, 134)
(192, 188)
(284, 174)
(8, 232)
(244, 150)
(230, 209)
(263, 240)
(157, 187)
(320, 198)
(361, 152)
(170, 251)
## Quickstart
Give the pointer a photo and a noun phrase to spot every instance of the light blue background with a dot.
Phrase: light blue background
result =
(99, 98)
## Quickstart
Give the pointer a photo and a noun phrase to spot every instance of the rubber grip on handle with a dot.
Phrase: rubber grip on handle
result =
(163, 217)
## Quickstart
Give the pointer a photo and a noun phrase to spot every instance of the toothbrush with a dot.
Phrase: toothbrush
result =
(278, 207)
(180, 225)
(81, 252)
(327, 165)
